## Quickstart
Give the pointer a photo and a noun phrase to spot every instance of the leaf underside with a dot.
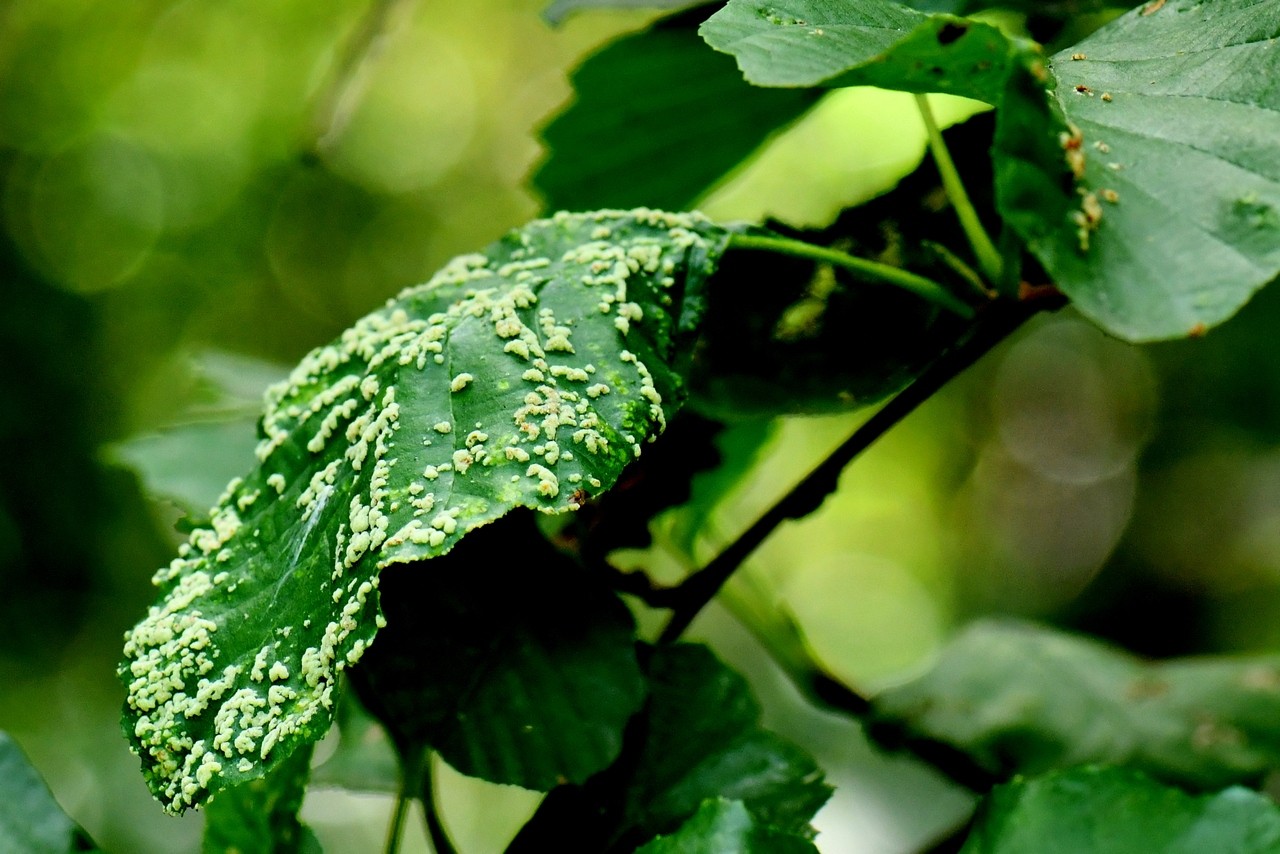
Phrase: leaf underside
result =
(511, 661)
(1022, 699)
(526, 376)
(698, 739)
(1176, 117)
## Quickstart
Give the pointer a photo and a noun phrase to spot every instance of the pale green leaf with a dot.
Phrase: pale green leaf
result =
(1119, 811)
(1175, 217)
(864, 42)
(31, 821)
(527, 376)
(1023, 699)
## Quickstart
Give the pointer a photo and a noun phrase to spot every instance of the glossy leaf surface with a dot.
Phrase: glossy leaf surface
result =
(1118, 811)
(720, 826)
(699, 739)
(527, 376)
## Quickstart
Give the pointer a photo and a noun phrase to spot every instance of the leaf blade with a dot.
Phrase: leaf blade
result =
(699, 120)
(1023, 699)
(1113, 810)
(1176, 113)
(238, 662)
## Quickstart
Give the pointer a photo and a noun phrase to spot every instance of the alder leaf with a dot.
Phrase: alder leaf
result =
(261, 816)
(657, 119)
(1022, 699)
(1119, 811)
(720, 825)
(1174, 220)
(526, 376)
(31, 821)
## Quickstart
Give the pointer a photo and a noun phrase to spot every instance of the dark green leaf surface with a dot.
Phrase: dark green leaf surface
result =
(527, 376)
(865, 42)
(261, 816)
(722, 826)
(1023, 699)
(1119, 811)
(699, 739)
(561, 9)
(705, 740)
(31, 821)
(1178, 212)
(515, 671)
(658, 118)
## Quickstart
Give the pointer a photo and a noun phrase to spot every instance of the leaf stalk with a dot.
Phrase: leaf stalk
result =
(873, 270)
(989, 258)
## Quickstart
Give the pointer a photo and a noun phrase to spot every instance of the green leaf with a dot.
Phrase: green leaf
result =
(527, 376)
(1177, 221)
(705, 740)
(365, 759)
(210, 439)
(657, 120)
(1023, 699)
(822, 340)
(561, 9)
(863, 43)
(721, 826)
(699, 739)
(30, 819)
(508, 659)
(1119, 811)
(261, 816)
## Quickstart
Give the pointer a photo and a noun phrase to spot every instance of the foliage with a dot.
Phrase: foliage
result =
(431, 531)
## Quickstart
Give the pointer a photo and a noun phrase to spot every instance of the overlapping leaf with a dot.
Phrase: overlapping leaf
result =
(867, 42)
(261, 816)
(720, 826)
(1175, 218)
(657, 119)
(1022, 699)
(508, 659)
(561, 9)
(1118, 811)
(698, 739)
(30, 819)
(529, 375)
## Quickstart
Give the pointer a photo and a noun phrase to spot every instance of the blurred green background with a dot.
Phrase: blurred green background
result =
(233, 177)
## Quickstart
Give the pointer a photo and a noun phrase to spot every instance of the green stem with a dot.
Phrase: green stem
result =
(988, 256)
(336, 101)
(918, 285)
(697, 590)
(396, 831)
(411, 770)
(440, 841)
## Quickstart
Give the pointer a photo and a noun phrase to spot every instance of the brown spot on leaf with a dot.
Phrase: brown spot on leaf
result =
(1261, 678)
(1153, 7)
(1146, 688)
